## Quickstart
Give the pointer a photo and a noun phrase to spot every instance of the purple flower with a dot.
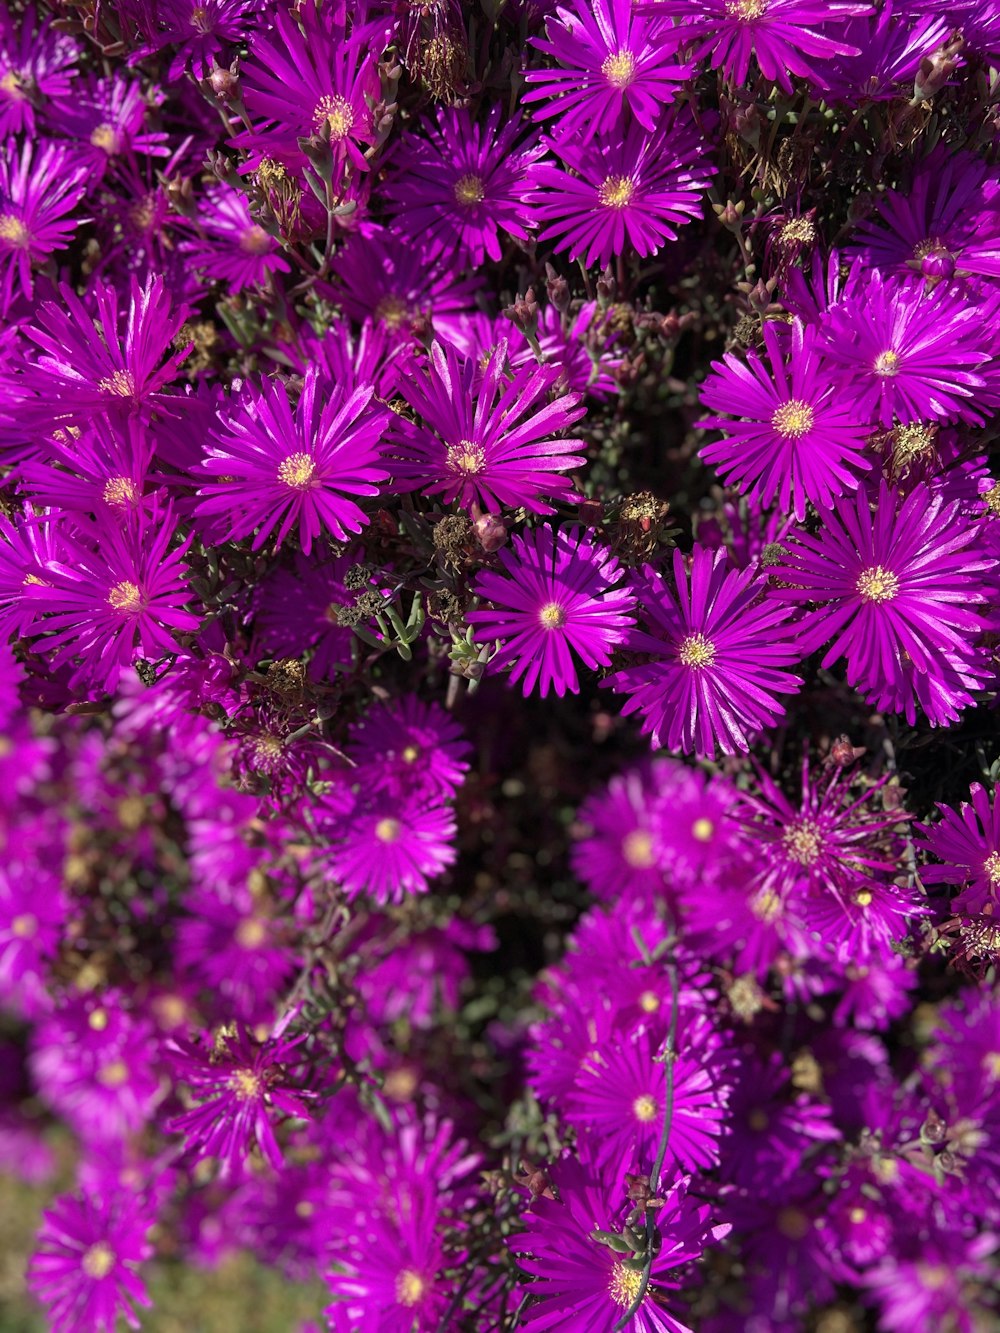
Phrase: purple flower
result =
(781, 35)
(386, 845)
(891, 45)
(282, 467)
(243, 1090)
(721, 652)
(459, 184)
(558, 602)
(895, 588)
(579, 1283)
(794, 439)
(107, 118)
(907, 354)
(409, 745)
(84, 1268)
(612, 63)
(33, 916)
(967, 841)
(36, 195)
(199, 30)
(228, 246)
(938, 1286)
(36, 69)
(118, 591)
(487, 438)
(297, 612)
(626, 190)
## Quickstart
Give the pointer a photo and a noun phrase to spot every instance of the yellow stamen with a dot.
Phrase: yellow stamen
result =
(877, 584)
(410, 1288)
(465, 457)
(702, 830)
(624, 1285)
(637, 849)
(388, 830)
(126, 597)
(793, 419)
(245, 1084)
(469, 190)
(337, 113)
(254, 240)
(297, 471)
(99, 1260)
(616, 191)
(14, 232)
(121, 384)
(107, 138)
(619, 69)
(24, 927)
(696, 651)
(886, 364)
(119, 491)
(802, 841)
(645, 1108)
(552, 616)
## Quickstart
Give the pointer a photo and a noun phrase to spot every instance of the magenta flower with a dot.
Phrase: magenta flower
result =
(228, 246)
(611, 63)
(967, 842)
(297, 612)
(37, 195)
(386, 845)
(560, 601)
(108, 119)
(410, 745)
(84, 1268)
(198, 30)
(625, 191)
(243, 1091)
(33, 916)
(488, 438)
(576, 1282)
(782, 35)
(36, 70)
(894, 589)
(117, 591)
(282, 467)
(793, 438)
(459, 185)
(721, 653)
(907, 354)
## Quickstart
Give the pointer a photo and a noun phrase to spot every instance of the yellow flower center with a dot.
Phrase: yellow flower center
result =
(465, 457)
(552, 616)
(114, 1074)
(245, 1084)
(616, 191)
(619, 69)
(637, 849)
(12, 86)
(649, 1002)
(624, 1285)
(746, 10)
(702, 830)
(793, 419)
(645, 1108)
(199, 18)
(766, 906)
(757, 1120)
(98, 1261)
(251, 933)
(388, 830)
(992, 498)
(886, 363)
(125, 596)
(410, 1288)
(469, 190)
(991, 1064)
(991, 868)
(98, 1020)
(393, 312)
(107, 138)
(696, 651)
(14, 232)
(337, 113)
(863, 898)
(118, 491)
(120, 384)
(877, 584)
(254, 240)
(802, 842)
(297, 471)
(24, 927)
(800, 231)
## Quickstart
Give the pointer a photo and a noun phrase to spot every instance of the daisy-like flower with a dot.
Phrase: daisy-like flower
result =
(908, 354)
(304, 75)
(117, 369)
(243, 1089)
(115, 593)
(199, 30)
(623, 851)
(282, 467)
(36, 68)
(721, 652)
(788, 38)
(85, 1266)
(37, 195)
(793, 437)
(892, 44)
(229, 247)
(107, 118)
(611, 63)
(459, 185)
(99, 469)
(626, 190)
(578, 1283)
(967, 842)
(488, 438)
(560, 601)
(894, 589)
(410, 745)
(33, 916)
(386, 845)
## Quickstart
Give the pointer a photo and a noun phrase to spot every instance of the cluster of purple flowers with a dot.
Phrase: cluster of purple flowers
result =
(410, 415)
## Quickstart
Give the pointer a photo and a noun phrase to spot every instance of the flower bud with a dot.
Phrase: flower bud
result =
(491, 532)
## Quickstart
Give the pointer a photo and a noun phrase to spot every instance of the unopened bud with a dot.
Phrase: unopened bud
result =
(842, 752)
(935, 70)
(524, 312)
(225, 84)
(491, 532)
(557, 289)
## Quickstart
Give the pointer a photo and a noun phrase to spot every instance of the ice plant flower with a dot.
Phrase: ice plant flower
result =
(85, 1266)
(896, 583)
(37, 196)
(228, 246)
(458, 185)
(560, 600)
(410, 745)
(721, 652)
(36, 70)
(611, 63)
(787, 38)
(906, 353)
(386, 845)
(793, 439)
(967, 843)
(280, 467)
(117, 591)
(626, 191)
(488, 437)
(243, 1090)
